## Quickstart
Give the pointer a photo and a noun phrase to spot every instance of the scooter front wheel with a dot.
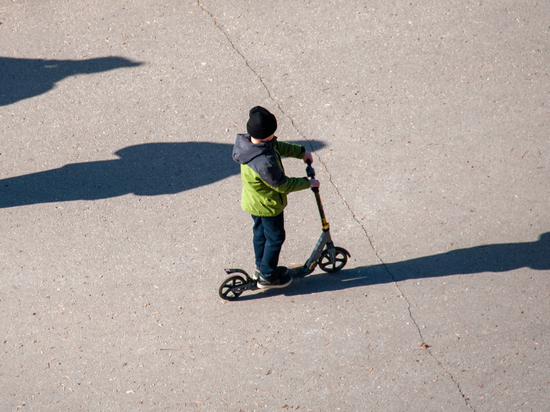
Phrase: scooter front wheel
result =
(232, 287)
(333, 262)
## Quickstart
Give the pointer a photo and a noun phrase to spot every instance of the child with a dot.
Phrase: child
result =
(265, 187)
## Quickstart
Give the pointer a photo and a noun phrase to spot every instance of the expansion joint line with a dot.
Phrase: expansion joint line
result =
(276, 102)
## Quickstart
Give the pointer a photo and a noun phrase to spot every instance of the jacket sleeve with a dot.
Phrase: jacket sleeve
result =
(292, 184)
(290, 150)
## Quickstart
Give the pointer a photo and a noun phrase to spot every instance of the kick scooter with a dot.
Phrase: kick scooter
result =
(329, 257)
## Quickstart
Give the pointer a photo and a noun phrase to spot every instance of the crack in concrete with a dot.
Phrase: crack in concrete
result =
(271, 97)
(214, 19)
(402, 295)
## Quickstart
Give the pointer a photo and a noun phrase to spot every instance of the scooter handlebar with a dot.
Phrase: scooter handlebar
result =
(311, 174)
(309, 170)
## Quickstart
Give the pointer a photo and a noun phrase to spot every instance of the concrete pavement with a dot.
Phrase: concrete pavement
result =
(120, 205)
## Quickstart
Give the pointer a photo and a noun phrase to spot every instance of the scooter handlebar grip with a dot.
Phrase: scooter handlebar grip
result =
(310, 170)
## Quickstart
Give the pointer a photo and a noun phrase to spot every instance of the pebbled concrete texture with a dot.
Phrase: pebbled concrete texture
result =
(120, 205)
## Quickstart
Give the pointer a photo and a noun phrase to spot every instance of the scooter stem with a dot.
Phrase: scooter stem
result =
(324, 222)
(311, 173)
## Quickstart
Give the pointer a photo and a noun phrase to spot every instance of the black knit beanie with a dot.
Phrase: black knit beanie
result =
(261, 123)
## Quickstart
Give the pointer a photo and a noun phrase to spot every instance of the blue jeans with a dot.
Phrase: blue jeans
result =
(269, 236)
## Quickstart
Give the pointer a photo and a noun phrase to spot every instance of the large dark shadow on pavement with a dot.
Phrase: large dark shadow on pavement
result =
(497, 258)
(24, 78)
(145, 170)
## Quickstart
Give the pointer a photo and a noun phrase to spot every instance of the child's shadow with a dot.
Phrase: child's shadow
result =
(145, 170)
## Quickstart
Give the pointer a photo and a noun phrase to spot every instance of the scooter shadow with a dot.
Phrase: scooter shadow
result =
(320, 282)
(496, 258)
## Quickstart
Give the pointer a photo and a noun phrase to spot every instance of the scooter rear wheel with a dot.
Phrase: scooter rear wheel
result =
(232, 287)
(331, 265)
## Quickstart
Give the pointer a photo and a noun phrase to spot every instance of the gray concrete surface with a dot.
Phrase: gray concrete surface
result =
(120, 205)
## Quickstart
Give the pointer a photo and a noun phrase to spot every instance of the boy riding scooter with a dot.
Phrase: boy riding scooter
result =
(265, 189)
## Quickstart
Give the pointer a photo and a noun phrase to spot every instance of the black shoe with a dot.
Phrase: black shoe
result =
(257, 273)
(278, 279)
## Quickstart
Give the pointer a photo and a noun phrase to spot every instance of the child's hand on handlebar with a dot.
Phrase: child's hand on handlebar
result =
(314, 183)
(308, 156)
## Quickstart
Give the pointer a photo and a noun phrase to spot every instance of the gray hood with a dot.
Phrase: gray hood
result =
(245, 151)
(261, 157)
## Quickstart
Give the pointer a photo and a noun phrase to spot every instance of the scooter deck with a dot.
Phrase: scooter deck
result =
(297, 272)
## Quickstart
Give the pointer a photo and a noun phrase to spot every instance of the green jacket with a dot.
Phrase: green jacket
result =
(265, 184)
